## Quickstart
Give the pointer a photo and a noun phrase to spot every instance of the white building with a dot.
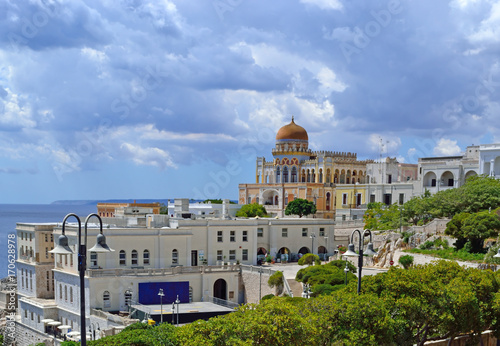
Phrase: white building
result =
(193, 258)
(489, 160)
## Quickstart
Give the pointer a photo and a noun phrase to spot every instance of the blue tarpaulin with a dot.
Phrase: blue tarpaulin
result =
(148, 292)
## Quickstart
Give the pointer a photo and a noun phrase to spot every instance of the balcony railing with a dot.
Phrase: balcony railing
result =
(159, 271)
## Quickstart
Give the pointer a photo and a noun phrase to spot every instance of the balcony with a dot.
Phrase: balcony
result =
(96, 273)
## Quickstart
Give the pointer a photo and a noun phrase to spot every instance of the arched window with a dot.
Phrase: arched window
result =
(71, 294)
(294, 175)
(134, 257)
(145, 257)
(123, 258)
(277, 174)
(175, 256)
(285, 174)
(60, 291)
(65, 293)
(106, 299)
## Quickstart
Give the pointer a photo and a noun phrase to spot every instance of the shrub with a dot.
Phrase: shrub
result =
(406, 261)
(276, 280)
(427, 245)
(309, 259)
(268, 296)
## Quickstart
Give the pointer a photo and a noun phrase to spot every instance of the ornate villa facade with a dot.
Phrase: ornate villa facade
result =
(298, 172)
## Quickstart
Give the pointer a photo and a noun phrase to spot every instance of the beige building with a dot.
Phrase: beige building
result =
(298, 172)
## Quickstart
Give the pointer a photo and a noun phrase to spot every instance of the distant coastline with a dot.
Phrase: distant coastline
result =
(94, 202)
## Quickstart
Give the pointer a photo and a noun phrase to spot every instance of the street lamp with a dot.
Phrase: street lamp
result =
(312, 236)
(161, 304)
(177, 301)
(173, 313)
(62, 248)
(346, 270)
(369, 251)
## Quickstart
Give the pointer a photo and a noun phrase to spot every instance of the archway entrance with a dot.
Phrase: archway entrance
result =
(304, 250)
(283, 254)
(322, 252)
(220, 289)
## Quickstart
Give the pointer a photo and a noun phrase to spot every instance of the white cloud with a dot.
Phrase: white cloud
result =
(149, 156)
(15, 111)
(489, 28)
(324, 4)
(446, 147)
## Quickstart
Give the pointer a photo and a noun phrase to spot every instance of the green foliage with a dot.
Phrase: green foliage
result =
(331, 275)
(163, 208)
(300, 207)
(427, 245)
(276, 281)
(341, 265)
(406, 261)
(252, 210)
(451, 254)
(64, 343)
(472, 229)
(382, 217)
(309, 259)
(136, 335)
(436, 300)
(216, 201)
(268, 296)
(488, 258)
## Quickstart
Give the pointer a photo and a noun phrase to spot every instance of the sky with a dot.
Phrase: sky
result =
(176, 99)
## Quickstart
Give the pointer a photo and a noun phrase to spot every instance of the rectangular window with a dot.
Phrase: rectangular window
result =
(304, 232)
(232, 255)
(321, 232)
(284, 232)
(344, 198)
(135, 259)
(46, 237)
(219, 237)
(372, 198)
(260, 232)
(245, 235)
(51, 238)
(232, 236)
(244, 255)
(46, 252)
(219, 255)
(30, 236)
(93, 259)
(401, 198)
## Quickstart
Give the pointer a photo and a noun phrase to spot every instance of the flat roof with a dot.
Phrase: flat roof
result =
(184, 308)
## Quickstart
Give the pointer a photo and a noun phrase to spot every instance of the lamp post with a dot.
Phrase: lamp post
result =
(173, 313)
(346, 270)
(161, 304)
(177, 301)
(62, 248)
(369, 250)
(312, 236)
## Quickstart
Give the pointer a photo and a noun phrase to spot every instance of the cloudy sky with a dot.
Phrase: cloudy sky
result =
(168, 98)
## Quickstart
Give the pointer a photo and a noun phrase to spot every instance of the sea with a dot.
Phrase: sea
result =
(10, 214)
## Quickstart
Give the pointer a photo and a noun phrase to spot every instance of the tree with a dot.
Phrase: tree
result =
(300, 207)
(472, 229)
(309, 259)
(163, 208)
(406, 261)
(276, 281)
(252, 210)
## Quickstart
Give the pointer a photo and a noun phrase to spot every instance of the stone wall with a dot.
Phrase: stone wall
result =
(251, 281)
(28, 336)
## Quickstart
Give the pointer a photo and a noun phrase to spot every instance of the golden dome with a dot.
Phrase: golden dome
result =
(292, 131)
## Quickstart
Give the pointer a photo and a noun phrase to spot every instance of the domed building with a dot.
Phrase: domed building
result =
(298, 172)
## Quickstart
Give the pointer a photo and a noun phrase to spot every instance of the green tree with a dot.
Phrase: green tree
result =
(472, 229)
(252, 210)
(309, 259)
(163, 208)
(406, 261)
(300, 207)
(276, 281)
